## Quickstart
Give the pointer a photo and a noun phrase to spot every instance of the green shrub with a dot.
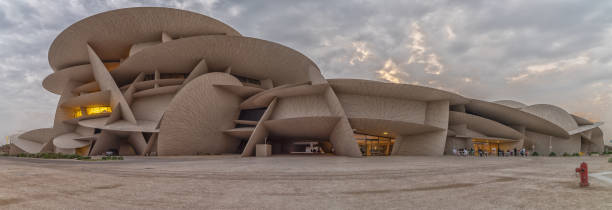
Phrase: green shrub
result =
(609, 160)
(120, 157)
(565, 154)
(45, 155)
(83, 158)
(534, 154)
(576, 154)
(552, 154)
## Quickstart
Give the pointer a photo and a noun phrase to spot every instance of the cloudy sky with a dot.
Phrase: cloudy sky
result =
(552, 52)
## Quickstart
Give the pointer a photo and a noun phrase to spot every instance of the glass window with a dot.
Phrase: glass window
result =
(374, 145)
(98, 110)
(78, 113)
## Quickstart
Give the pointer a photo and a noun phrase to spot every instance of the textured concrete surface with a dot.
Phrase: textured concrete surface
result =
(303, 182)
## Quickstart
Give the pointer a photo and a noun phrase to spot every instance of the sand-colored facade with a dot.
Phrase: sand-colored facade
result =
(160, 81)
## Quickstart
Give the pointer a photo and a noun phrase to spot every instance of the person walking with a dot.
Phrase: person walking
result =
(515, 152)
(455, 152)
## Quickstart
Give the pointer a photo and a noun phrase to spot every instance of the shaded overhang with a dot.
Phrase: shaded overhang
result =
(394, 90)
(488, 139)
(512, 116)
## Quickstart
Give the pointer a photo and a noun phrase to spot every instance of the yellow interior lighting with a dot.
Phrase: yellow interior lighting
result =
(111, 65)
(98, 110)
(78, 113)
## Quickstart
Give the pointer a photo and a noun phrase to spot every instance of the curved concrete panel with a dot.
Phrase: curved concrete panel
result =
(67, 141)
(240, 90)
(241, 133)
(248, 57)
(87, 87)
(157, 91)
(511, 104)
(55, 82)
(386, 108)
(597, 141)
(581, 121)
(431, 143)
(301, 106)
(512, 116)
(121, 125)
(27, 145)
(553, 114)
(42, 135)
(402, 91)
(149, 84)
(264, 98)
(584, 128)
(62, 114)
(315, 127)
(483, 125)
(393, 128)
(151, 108)
(197, 116)
(96, 98)
(112, 33)
(140, 46)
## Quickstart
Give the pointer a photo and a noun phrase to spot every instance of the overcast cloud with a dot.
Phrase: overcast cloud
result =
(552, 52)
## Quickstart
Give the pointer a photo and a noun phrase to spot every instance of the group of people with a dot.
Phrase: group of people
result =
(484, 153)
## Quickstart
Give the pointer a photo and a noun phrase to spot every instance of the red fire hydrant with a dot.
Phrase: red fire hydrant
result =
(584, 174)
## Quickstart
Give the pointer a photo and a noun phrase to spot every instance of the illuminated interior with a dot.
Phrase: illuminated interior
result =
(78, 113)
(491, 147)
(374, 145)
(83, 151)
(111, 65)
(98, 110)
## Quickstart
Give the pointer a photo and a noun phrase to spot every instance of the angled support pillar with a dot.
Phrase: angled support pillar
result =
(166, 37)
(341, 137)
(151, 145)
(199, 69)
(138, 142)
(115, 115)
(157, 78)
(129, 93)
(106, 82)
(260, 133)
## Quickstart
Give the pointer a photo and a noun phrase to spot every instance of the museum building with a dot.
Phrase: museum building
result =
(161, 81)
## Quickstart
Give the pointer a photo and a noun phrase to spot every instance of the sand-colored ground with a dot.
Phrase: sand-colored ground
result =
(303, 182)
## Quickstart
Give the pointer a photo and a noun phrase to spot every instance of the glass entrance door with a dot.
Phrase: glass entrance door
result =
(374, 145)
(491, 149)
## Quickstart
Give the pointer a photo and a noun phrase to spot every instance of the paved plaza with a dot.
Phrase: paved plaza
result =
(303, 182)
